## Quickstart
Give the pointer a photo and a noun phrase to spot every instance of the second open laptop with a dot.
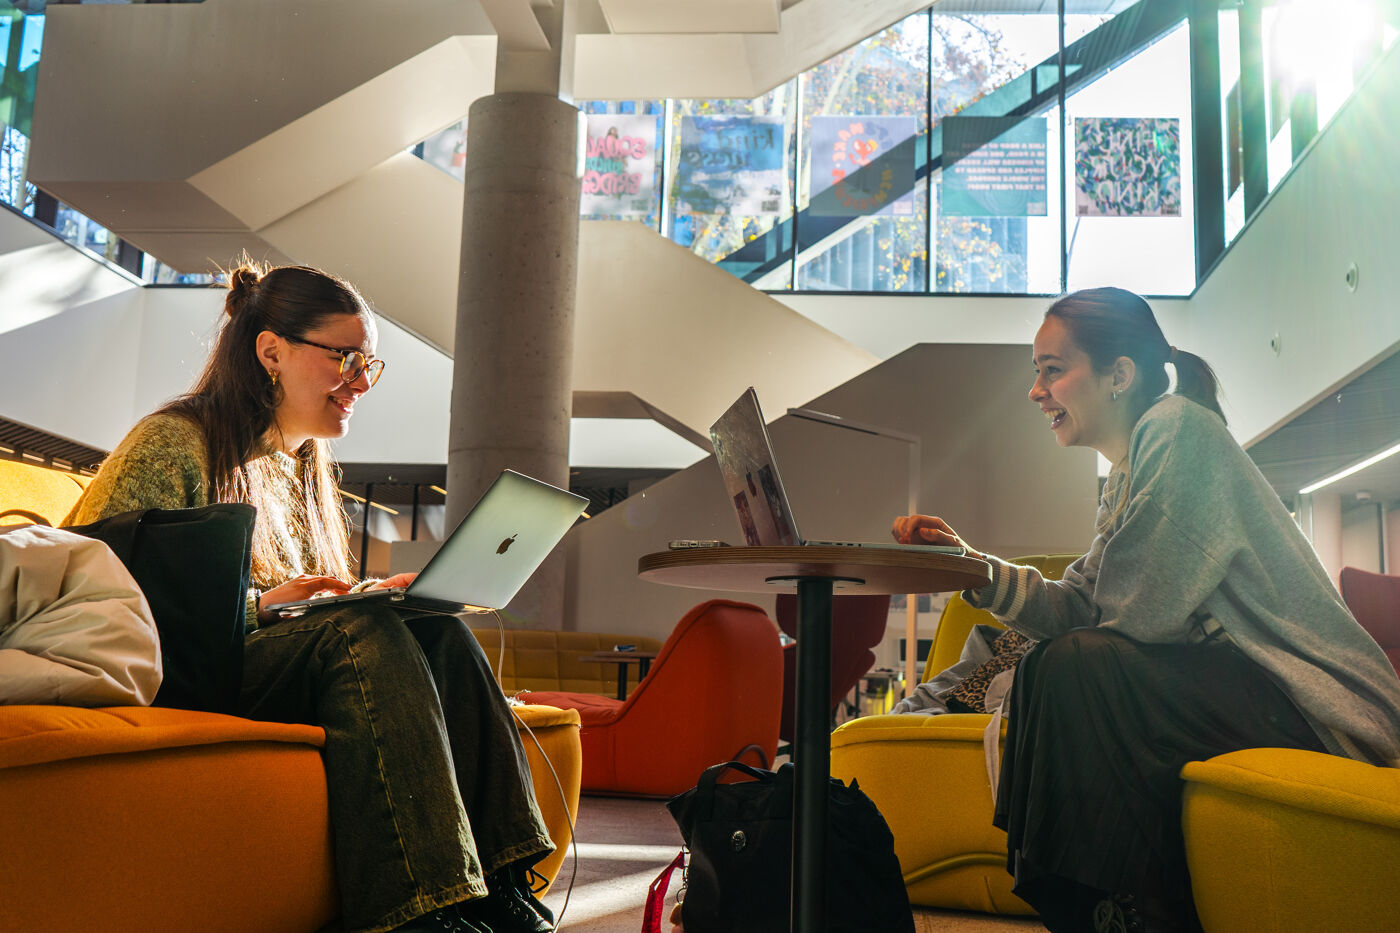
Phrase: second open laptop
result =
(745, 457)
(487, 558)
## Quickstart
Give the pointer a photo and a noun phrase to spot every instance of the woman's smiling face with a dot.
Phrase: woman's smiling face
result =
(1076, 399)
(316, 401)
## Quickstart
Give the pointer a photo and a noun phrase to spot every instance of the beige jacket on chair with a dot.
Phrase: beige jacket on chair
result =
(74, 628)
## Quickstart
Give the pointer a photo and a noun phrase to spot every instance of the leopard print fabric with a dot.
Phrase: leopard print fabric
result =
(970, 696)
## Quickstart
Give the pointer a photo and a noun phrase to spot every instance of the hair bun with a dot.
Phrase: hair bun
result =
(243, 282)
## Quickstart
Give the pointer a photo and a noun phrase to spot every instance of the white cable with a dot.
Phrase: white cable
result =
(559, 785)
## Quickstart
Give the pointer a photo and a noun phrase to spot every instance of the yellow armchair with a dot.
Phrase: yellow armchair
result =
(928, 776)
(1279, 839)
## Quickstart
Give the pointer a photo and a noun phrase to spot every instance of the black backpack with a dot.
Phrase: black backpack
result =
(739, 877)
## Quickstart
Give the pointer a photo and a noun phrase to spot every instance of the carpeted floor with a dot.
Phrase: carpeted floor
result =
(624, 844)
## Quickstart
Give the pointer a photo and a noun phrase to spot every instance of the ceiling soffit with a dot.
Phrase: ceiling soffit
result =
(673, 17)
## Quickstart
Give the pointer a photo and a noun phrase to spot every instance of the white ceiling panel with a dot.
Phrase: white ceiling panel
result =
(691, 16)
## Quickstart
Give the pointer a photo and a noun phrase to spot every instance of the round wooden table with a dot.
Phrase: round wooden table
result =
(815, 572)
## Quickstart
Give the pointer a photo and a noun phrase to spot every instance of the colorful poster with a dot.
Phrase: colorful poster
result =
(731, 165)
(448, 150)
(993, 167)
(619, 177)
(862, 165)
(1127, 167)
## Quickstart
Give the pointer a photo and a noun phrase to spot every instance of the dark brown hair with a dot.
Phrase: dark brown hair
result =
(1111, 322)
(234, 404)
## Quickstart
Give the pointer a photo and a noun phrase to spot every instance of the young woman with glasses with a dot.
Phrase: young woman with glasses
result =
(1199, 622)
(432, 809)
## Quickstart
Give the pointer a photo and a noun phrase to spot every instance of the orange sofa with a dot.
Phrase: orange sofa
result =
(715, 689)
(143, 820)
(548, 660)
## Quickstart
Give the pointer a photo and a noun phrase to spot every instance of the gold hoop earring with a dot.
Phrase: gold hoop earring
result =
(272, 375)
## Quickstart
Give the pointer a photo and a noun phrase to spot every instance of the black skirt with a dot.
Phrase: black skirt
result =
(1099, 729)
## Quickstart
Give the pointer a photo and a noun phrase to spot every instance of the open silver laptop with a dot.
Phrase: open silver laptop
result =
(745, 457)
(487, 558)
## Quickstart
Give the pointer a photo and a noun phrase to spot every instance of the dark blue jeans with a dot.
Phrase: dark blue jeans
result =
(428, 784)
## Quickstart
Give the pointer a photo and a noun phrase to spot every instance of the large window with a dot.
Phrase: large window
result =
(1130, 179)
(730, 164)
(21, 45)
(995, 222)
(864, 127)
(941, 155)
(945, 155)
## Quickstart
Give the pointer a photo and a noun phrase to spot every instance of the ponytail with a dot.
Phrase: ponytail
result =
(1196, 380)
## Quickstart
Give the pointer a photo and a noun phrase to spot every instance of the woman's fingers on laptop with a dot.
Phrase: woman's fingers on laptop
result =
(303, 587)
(398, 579)
(908, 529)
(924, 529)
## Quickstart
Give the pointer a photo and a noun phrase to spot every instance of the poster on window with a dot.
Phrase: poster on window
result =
(448, 150)
(993, 167)
(862, 165)
(1127, 167)
(619, 174)
(731, 165)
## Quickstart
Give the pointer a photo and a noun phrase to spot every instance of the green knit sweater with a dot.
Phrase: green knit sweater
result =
(163, 463)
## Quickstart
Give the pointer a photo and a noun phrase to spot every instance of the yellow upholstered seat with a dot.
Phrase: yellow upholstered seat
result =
(928, 776)
(1279, 839)
(34, 494)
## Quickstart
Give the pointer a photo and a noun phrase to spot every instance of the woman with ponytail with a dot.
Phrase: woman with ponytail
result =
(1199, 622)
(433, 817)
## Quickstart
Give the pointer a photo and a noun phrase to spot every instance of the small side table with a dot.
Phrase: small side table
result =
(814, 571)
(642, 659)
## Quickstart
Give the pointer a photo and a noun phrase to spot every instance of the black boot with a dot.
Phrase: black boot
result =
(529, 881)
(443, 920)
(1128, 913)
(509, 907)
(1113, 915)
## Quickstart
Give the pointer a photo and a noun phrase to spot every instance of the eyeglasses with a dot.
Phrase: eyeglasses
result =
(352, 362)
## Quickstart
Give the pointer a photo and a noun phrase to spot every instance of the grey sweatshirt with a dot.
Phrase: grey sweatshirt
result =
(1202, 535)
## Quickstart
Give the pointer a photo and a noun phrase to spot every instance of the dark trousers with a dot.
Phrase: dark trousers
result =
(428, 784)
(1099, 729)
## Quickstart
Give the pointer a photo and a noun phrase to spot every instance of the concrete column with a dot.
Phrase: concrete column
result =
(1326, 510)
(513, 363)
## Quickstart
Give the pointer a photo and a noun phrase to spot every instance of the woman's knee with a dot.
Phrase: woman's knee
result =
(1083, 646)
(371, 630)
(1068, 663)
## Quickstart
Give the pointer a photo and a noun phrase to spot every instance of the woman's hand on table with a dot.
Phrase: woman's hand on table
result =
(928, 529)
(297, 589)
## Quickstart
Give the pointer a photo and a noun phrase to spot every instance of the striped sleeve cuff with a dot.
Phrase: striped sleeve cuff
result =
(1005, 596)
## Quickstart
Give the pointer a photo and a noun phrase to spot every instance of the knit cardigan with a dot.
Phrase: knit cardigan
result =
(163, 463)
(1191, 531)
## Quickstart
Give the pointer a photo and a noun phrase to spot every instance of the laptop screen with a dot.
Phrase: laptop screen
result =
(745, 457)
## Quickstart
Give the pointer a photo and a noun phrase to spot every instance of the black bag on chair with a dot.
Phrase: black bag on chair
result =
(740, 874)
(192, 565)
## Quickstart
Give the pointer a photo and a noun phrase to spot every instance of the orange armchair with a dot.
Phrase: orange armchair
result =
(714, 689)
